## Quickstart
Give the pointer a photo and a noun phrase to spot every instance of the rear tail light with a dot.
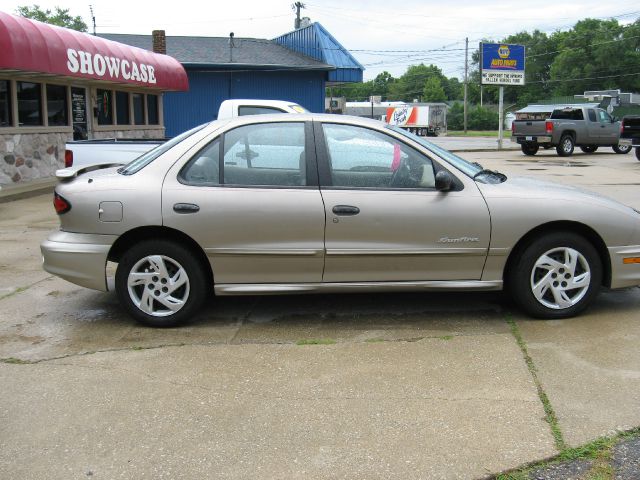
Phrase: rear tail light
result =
(622, 127)
(60, 204)
(548, 127)
(68, 158)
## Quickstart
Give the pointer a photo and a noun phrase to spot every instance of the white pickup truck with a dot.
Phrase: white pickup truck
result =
(83, 153)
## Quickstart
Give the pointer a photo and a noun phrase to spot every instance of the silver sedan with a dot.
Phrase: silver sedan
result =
(327, 203)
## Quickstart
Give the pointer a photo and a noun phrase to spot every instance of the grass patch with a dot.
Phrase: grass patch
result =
(15, 361)
(15, 292)
(316, 341)
(599, 452)
(478, 133)
(446, 337)
(550, 414)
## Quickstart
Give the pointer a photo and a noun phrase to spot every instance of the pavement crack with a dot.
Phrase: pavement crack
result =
(25, 288)
(550, 414)
(242, 320)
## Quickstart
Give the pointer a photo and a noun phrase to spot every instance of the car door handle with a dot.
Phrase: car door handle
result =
(186, 208)
(345, 210)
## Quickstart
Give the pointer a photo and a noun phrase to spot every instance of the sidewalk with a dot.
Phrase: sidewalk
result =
(473, 144)
(17, 191)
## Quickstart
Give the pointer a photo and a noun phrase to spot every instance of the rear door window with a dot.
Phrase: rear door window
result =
(270, 154)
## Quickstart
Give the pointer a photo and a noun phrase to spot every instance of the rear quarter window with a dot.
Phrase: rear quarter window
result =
(568, 114)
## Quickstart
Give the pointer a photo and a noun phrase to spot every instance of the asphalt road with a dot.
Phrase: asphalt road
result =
(328, 386)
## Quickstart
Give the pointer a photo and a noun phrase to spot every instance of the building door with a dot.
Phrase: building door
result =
(79, 113)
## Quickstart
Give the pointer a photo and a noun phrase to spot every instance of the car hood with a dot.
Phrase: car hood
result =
(522, 204)
(537, 190)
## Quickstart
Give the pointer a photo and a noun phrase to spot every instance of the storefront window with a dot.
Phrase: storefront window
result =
(152, 109)
(138, 108)
(57, 109)
(122, 108)
(29, 104)
(5, 104)
(105, 107)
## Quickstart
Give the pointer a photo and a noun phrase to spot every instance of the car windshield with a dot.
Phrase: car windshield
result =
(468, 168)
(146, 158)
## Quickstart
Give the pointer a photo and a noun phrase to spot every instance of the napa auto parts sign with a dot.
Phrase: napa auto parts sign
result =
(502, 64)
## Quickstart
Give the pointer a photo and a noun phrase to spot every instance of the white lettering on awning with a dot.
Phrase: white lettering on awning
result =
(111, 67)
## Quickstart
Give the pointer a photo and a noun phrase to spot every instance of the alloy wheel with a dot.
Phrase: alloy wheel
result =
(158, 285)
(560, 278)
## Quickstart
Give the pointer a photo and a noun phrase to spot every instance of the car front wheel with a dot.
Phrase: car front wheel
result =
(556, 276)
(160, 283)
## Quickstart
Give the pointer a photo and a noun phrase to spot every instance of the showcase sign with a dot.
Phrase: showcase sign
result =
(502, 64)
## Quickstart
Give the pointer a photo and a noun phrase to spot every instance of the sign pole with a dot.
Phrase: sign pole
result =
(500, 117)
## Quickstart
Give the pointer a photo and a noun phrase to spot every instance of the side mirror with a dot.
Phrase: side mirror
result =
(444, 181)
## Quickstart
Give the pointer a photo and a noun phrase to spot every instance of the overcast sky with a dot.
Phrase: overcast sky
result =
(382, 35)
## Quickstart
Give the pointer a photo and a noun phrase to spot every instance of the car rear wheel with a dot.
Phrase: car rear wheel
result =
(529, 148)
(565, 147)
(557, 276)
(622, 149)
(160, 283)
(589, 148)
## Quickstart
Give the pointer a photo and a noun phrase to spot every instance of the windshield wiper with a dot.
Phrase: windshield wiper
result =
(486, 171)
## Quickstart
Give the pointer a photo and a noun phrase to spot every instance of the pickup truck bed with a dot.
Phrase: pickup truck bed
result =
(118, 150)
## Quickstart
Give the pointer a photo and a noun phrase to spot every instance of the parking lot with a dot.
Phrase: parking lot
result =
(326, 386)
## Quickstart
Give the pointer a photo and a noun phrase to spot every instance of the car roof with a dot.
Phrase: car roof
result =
(306, 117)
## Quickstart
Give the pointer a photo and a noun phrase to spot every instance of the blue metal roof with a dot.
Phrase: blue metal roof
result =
(314, 41)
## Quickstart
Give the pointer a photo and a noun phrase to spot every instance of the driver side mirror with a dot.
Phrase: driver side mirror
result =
(444, 181)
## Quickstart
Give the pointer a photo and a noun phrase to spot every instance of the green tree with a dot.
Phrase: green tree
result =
(60, 17)
(410, 86)
(454, 89)
(380, 84)
(596, 55)
(433, 91)
(481, 118)
(455, 117)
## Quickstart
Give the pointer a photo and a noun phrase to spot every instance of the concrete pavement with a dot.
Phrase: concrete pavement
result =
(351, 386)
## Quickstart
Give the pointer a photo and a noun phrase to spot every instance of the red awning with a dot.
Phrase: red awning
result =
(32, 46)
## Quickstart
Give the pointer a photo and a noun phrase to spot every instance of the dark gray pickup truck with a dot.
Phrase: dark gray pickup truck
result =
(565, 127)
(630, 133)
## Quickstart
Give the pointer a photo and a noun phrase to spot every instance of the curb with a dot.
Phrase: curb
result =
(29, 189)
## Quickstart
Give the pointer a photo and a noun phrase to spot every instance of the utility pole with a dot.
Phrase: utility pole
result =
(93, 19)
(297, 6)
(466, 79)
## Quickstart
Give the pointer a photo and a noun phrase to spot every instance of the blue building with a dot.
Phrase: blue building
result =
(296, 66)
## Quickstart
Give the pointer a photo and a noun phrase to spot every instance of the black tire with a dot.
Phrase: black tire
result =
(589, 148)
(638, 153)
(155, 291)
(529, 148)
(622, 150)
(526, 269)
(566, 146)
